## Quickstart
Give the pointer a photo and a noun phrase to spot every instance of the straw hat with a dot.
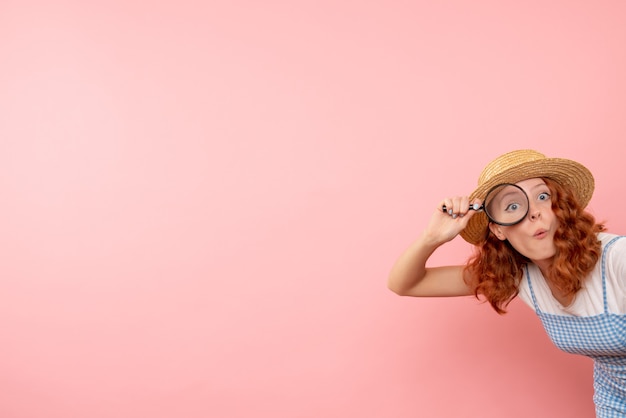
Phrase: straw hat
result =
(520, 165)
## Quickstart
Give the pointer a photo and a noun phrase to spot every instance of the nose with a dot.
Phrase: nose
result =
(534, 213)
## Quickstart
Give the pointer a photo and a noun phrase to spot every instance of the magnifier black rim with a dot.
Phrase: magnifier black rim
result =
(497, 186)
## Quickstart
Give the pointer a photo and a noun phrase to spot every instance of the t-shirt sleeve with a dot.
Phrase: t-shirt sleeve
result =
(616, 265)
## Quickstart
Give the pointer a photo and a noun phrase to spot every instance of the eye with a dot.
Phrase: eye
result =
(544, 196)
(511, 207)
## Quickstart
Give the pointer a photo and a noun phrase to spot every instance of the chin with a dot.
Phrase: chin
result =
(543, 256)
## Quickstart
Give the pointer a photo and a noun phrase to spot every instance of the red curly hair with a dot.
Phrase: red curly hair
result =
(496, 268)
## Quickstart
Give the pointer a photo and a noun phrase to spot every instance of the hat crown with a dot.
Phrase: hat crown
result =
(507, 162)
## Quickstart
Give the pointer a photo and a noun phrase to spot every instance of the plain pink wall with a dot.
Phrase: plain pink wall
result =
(201, 201)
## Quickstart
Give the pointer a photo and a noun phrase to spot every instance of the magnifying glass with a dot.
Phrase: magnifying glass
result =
(506, 204)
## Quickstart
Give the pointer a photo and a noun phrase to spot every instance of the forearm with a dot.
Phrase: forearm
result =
(409, 275)
(410, 268)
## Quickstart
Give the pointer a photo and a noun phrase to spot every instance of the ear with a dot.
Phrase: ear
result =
(497, 231)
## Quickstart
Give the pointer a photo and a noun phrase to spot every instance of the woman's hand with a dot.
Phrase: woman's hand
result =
(444, 226)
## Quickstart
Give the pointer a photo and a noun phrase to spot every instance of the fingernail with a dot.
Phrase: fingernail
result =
(454, 216)
(449, 211)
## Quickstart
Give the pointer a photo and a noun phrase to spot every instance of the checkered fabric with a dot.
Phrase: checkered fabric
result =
(601, 337)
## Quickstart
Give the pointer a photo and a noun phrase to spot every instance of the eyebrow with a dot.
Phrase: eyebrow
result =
(539, 185)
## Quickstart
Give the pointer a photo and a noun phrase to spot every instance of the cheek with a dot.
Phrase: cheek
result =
(515, 235)
(515, 242)
(523, 248)
(532, 249)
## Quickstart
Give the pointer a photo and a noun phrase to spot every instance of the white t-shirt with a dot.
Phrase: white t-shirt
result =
(588, 300)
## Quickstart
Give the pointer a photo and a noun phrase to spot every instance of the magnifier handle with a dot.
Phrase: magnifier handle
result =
(475, 207)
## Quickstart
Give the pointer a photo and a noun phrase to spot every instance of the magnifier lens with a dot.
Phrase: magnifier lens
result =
(506, 204)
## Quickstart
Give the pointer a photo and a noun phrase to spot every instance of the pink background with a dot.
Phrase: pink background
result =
(201, 201)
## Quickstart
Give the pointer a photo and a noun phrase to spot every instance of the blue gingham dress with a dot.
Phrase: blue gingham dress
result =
(601, 337)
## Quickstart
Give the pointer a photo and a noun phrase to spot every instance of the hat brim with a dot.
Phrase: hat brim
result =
(566, 172)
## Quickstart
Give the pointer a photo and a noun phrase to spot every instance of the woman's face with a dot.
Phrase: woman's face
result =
(533, 237)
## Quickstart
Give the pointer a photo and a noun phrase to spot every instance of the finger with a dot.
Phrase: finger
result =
(457, 206)
(447, 206)
(464, 206)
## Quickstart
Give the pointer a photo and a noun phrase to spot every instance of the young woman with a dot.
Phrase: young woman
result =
(534, 239)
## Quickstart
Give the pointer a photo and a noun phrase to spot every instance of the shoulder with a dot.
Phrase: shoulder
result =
(613, 269)
(614, 258)
(613, 246)
(607, 237)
